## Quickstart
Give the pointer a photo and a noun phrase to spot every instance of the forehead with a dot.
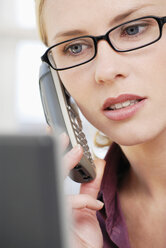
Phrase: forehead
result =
(93, 16)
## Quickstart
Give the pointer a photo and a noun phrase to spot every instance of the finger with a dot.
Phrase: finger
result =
(92, 188)
(84, 201)
(72, 158)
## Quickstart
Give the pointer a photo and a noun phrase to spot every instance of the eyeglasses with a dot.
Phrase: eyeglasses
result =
(126, 37)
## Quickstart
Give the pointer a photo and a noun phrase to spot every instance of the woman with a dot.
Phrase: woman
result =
(118, 81)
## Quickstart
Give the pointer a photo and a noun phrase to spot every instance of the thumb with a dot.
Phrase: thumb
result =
(92, 188)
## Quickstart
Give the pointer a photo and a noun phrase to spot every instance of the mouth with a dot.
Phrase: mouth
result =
(123, 106)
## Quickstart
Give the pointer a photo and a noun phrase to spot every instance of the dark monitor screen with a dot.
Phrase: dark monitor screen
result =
(30, 193)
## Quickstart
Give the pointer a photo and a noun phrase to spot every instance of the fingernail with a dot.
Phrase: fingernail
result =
(100, 204)
(76, 149)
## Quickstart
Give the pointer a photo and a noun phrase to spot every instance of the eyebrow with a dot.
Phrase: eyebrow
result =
(70, 33)
(129, 12)
(118, 18)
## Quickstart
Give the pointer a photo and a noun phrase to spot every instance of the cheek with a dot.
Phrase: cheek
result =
(78, 85)
(149, 69)
(155, 61)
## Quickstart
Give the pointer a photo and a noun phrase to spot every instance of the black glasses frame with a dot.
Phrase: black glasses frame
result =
(160, 20)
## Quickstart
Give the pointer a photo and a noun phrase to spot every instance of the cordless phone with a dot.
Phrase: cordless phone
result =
(61, 113)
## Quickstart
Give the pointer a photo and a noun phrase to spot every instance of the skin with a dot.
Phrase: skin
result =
(141, 137)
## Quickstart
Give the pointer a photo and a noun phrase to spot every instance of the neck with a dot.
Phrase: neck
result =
(148, 167)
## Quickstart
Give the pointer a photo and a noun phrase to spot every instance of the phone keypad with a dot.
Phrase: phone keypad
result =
(80, 136)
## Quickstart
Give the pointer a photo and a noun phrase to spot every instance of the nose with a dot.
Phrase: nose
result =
(109, 65)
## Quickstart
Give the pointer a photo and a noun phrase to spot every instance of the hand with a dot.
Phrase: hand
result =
(86, 231)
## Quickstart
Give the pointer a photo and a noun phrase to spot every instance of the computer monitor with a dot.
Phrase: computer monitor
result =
(32, 213)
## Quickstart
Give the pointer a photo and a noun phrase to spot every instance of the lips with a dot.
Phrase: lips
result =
(123, 106)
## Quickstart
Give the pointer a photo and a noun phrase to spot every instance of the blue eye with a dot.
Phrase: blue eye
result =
(75, 49)
(133, 30)
(78, 48)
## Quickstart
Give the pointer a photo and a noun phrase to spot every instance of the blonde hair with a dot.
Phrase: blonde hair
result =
(39, 18)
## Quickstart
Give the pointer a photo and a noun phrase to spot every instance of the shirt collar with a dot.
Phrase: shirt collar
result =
(116, 165)
(115, 162)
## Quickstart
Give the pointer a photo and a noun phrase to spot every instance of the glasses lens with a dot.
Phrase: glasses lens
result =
(72, 53)
(135, 34)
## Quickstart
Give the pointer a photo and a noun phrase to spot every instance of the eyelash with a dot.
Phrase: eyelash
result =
(66, 49)
(141, 25)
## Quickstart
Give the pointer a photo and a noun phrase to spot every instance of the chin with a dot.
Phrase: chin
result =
(130, 138)
(135, 140)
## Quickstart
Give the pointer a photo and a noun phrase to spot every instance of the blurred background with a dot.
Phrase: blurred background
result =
(20, 51)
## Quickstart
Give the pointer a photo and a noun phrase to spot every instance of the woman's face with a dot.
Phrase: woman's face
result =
(113, 77)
